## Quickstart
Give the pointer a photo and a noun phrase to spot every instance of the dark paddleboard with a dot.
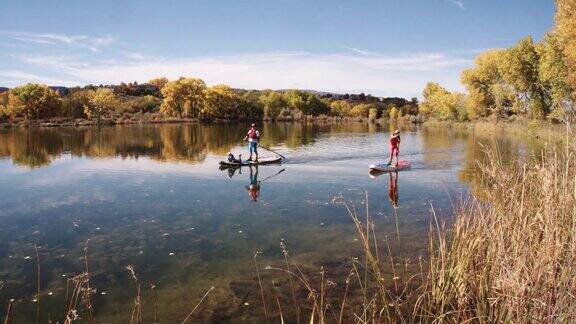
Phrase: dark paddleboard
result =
(262, 161)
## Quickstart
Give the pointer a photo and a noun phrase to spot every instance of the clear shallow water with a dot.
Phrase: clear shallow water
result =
(153, 197)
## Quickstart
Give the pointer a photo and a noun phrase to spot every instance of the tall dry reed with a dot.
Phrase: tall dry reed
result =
(512, 256)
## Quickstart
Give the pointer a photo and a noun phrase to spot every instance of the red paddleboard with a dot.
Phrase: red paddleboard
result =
(383, 167)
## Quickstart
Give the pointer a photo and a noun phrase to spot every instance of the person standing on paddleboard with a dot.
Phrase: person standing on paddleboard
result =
(394, 147)
(253, 138)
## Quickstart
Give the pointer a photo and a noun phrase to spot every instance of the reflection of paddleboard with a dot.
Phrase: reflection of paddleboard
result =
(402, 165)
(246, 162)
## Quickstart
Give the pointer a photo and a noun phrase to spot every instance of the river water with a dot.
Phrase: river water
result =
(154, 197)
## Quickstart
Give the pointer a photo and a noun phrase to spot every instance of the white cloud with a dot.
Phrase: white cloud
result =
(378, 74)
(12, 78)
(92, 43)
(359, 51)
(135, 56)
(458, 3)
(403, 75)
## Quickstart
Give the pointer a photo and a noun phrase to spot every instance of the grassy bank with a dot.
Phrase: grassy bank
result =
(522, 128)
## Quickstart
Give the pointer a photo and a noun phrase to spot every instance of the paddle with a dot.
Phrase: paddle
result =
(264, 147)
(277, 173)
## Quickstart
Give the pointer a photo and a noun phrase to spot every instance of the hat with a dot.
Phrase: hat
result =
(396, 132)
(253, 125)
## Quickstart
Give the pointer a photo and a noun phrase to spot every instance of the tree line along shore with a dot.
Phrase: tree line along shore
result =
(188, 99)
(529, 80)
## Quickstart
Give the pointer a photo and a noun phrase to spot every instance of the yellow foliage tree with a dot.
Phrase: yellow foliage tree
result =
(102, 101)
(361, 110)
(393, 113)
(159, 82)
(220, 102)
(33, 101)
(3, 106)
(566, 29)
(183, 98)
(479, 81)
(340, 108)
(273, 102)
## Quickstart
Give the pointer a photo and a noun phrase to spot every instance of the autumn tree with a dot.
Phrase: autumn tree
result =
(479, 81)
(183, 98)
(33, 101)
(393, 113)
(102, 101)
(520, 70)
(566, 29)
(443, 104)
(3, 106)
(159, 82)
(361, 110)
(73, 105)
(340, 108)
(220, 102)
(273, 102)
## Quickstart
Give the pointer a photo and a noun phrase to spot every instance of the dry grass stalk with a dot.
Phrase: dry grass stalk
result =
(137, 310)
(197, 305)
(513, 257)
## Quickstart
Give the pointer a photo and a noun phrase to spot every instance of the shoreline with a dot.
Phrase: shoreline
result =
(154, 119)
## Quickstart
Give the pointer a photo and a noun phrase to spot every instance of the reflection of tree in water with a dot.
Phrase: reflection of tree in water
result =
(168, 142)
(295, 135)
(481, 148)
(190, 143)
(31, 148)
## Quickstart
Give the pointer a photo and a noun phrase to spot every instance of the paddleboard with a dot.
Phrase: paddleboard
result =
(383, 167)
(270, 160)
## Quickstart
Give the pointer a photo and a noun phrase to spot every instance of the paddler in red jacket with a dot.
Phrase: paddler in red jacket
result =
(253, 138)
(394, 147)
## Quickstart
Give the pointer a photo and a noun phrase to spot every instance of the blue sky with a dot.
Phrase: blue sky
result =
(386, 47)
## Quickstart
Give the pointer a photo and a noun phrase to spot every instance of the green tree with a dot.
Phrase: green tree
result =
(33, 101)
(183, 98)
(273, 102)
(102, 102)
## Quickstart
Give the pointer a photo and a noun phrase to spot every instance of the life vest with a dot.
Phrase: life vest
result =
(252, 133)
(394, 141)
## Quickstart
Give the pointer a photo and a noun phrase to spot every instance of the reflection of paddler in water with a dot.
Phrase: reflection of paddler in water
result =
(393, 189)
(254, 187)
